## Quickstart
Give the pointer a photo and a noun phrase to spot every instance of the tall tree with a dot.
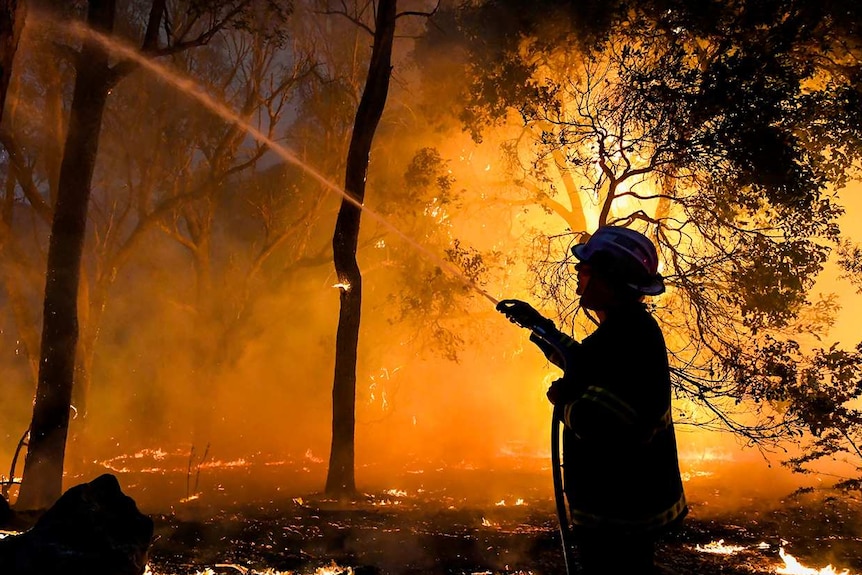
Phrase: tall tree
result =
(94, 78)
(43, 467)
(340, 479)
(12, 14)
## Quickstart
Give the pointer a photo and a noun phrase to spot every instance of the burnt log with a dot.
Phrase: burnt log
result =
(93, 528)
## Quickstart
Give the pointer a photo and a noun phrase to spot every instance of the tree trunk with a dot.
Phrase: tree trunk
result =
(43, 468)
(340, 479)
(11, 22)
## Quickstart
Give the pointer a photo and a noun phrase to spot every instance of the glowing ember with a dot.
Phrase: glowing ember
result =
(794, 567)
(385, 502)
(486, 523)
(396, 492)
(223, 464)
(190, 498)
(719, 548)
(5, 534)
(342, 285)
(332, 569)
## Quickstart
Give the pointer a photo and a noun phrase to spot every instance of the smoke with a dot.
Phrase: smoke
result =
(210, 374)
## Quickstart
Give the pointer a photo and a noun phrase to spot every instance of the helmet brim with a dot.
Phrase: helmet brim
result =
(578, 251)
(654, 287)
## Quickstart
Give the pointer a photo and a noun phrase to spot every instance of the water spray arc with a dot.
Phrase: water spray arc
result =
(194, 90)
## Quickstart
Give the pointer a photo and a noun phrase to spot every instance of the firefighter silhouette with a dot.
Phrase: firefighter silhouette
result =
(620, 470)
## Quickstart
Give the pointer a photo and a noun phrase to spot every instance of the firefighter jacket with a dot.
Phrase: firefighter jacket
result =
(620, 465)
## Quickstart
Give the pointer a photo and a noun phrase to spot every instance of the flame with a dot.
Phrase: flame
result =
(718, 547)
(311, 457)
(486, 523)
(342, 285)
(793, 567)
(396, 492)
(334, 569)
(689, 475)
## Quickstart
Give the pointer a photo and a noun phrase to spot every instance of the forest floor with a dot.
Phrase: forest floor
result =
(463, 520)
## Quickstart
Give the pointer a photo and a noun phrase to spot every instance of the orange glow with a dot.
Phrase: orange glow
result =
(268, 403)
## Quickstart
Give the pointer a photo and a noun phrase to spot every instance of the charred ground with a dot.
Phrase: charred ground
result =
(427, 539)
(471, 521)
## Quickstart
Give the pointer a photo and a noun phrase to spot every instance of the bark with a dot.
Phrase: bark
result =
(43, 467)
(340, 478)
(12, 14)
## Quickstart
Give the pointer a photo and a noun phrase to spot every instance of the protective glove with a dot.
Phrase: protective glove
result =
(523, 314)
(561, 392)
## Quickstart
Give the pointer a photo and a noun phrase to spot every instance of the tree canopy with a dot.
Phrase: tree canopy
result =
(725, 131)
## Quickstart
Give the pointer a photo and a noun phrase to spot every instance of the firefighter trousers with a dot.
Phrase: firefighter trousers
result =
(615, 553)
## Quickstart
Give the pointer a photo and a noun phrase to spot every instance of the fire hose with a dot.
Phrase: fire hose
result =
(556, 464)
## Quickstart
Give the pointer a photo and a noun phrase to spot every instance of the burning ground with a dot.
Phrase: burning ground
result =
(454, 518)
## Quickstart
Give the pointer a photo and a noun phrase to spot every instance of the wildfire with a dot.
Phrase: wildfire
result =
(793, 567)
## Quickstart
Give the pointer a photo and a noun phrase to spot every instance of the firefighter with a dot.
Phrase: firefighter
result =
(620, 472)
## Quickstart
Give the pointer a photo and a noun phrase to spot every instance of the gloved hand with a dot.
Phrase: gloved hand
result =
(561, 391)
(523, 314)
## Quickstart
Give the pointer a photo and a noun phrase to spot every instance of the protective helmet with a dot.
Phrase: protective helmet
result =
(627, 254)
